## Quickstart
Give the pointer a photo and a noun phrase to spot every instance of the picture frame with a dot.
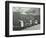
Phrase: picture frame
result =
(10, 28)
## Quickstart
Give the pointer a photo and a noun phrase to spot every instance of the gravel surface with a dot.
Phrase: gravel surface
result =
(35, 27)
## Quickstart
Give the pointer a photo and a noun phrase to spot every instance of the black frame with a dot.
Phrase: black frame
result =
(7, 18)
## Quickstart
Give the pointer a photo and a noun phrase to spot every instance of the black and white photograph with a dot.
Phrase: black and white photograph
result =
(25, 18)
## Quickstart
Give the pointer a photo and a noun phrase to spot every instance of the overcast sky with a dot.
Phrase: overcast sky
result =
(24, 10)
